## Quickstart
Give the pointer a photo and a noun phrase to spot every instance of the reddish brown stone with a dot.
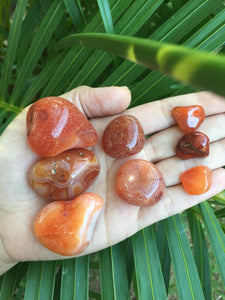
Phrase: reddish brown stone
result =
(197, 180)
(66, 227)
(139, 182)
(123, 136)
(64, 176)
(193, 144)
(188, 118)
(55, 124)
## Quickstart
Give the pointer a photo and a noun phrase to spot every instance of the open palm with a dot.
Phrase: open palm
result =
(118, 220)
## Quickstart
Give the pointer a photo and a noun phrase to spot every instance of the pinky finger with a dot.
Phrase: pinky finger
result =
(176, 200)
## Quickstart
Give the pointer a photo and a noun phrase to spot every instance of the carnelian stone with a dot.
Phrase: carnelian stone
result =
(64, 176)
(139, 182)
(188, 118)
(123, 136)
(66, 227)
(54, 125)
(193, 144)
(197, 180)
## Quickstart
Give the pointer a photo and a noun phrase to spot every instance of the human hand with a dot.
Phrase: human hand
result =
(118, 220)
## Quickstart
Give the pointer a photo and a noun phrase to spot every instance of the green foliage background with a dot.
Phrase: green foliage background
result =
(191, 244)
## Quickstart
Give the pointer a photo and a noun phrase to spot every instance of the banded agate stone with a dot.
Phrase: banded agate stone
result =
(140, 183)
(66, 227)
(123, 136)
(193, 144)
(188, 118)
(54, 125)
(64, 176)
(197, 180)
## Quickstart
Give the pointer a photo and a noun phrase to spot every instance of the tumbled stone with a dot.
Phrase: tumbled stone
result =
(193, 144)
(123, 136)
(64, 176)
(139, 182)
(54, 125)
(188, 118)
(197, 180)
(66, 227)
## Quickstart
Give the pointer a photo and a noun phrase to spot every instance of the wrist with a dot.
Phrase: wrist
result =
(6, 262)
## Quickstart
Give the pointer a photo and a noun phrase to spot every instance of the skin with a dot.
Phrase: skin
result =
(118, 220)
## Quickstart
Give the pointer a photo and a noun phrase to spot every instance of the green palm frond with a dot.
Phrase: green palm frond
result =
(172, 257)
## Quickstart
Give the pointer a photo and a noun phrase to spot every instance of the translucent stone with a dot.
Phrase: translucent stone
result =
(123, 136)
(66, 227)
(197, 180)
(188, 118)
(55, 124)
(139, 182)
(64, 176)
(193, 144)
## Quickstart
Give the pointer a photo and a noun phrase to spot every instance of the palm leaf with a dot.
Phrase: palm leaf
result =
(201, 69)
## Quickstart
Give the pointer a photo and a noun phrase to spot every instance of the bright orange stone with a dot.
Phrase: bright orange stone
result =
(64, 176)
(197, 180)
(188, 118)
(66, 227)
(55, 124)
(139, 182)
(123, 136)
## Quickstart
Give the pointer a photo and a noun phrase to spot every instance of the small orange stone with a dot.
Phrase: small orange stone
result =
(66, 227)
(54, 125)
(197, 180)
(188, 118)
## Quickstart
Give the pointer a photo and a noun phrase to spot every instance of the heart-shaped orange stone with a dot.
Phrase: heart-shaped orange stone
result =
(66, 227)
(197, 180)
(139, 182)
(54, 125)
(188, 118)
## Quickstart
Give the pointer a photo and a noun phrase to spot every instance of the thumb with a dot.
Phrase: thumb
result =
(99, 102)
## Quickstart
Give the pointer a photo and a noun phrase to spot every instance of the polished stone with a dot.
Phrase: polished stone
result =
(139, 182)
(66, 227)
(123, 136)
(55, 124)
(64, 176)
(193, 144)
(188, 118)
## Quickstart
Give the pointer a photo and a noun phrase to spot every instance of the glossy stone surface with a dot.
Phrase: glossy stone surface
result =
(55, 124)
(64, 176)
(197, 180)
(139, 182)
(66, 227)
(193, 144)
(123, 136)
(188, 118)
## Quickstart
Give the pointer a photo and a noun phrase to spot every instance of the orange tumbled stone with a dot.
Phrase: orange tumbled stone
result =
(197, 180)
(65, 176)
(123, 136)
(139, 182)
(193, 144)
(66, 227)
(188, 118)
(54, 125)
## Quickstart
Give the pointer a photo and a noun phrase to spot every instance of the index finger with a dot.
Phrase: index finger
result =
(156, 116)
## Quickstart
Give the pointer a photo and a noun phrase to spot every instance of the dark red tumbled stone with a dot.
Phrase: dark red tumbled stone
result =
(123, 136)
(193, 144)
